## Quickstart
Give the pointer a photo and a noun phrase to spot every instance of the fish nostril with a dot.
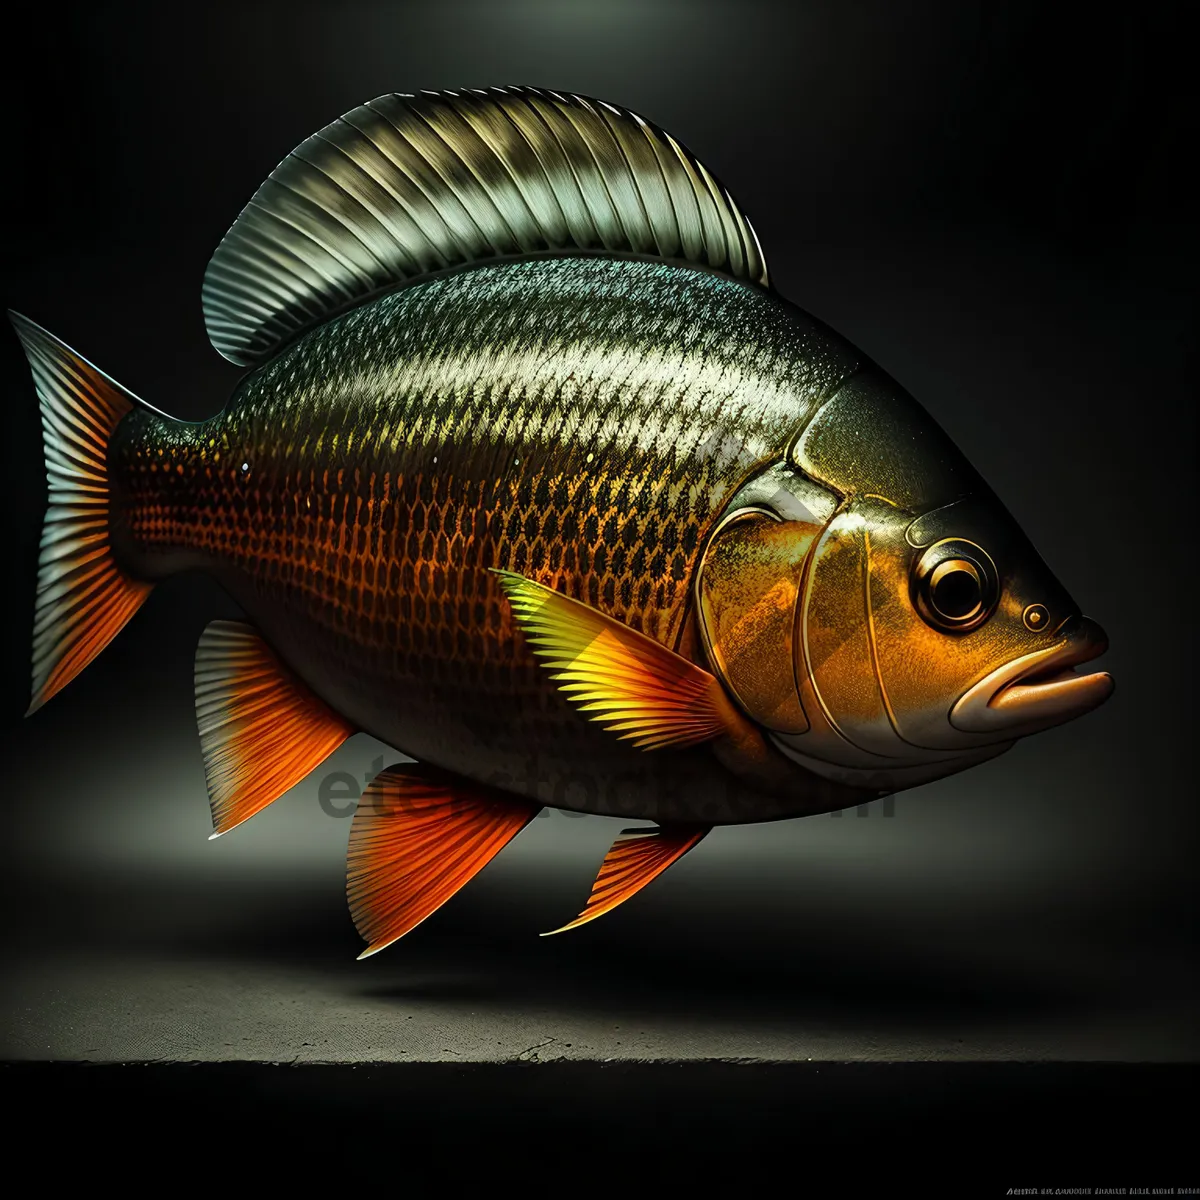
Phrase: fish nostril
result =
(1037, 618)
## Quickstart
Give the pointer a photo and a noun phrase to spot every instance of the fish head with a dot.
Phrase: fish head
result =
(926, 644)
(927, 634)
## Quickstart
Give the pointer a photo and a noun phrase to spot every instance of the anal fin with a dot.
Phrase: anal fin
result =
(261, 729)
(635, 858)
(419, 834)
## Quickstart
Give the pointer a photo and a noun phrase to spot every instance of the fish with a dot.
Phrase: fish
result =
(533, 475)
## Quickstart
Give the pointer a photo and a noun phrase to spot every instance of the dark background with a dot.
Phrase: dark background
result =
(987, 199)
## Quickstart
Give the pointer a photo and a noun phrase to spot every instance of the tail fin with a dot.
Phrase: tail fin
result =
(83, 599)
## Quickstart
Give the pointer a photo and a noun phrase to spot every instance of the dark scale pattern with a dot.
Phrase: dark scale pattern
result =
(579, 421)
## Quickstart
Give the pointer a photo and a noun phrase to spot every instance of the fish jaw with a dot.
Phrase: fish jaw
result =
(1039, 690)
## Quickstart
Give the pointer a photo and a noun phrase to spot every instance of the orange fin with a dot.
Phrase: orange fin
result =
(636, 857)
(261, 729)
(631, 684)
(418, 835)
(83, 598)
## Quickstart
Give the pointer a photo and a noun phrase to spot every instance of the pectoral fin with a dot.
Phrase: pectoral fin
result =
(629, 683)
(636, 857)
(418, 835)
(261, 729)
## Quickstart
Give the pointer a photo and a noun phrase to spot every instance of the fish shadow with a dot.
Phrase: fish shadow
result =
(735, 968)
(709, 984)
(676, 960)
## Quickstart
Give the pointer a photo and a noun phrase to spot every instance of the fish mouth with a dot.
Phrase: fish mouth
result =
(1038, 690)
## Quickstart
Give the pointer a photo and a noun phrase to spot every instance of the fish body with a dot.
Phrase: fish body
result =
(582, 421)
(536, 478)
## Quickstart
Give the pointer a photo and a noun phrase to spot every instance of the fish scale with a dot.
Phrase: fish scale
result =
(596, 472)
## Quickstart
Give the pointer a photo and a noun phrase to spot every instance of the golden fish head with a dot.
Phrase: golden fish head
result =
(875, 572)
(925, 644)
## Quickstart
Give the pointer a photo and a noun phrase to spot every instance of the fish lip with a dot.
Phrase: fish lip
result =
(1038, 690)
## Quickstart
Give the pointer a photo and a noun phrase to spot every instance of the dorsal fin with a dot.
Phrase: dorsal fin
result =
(407, 185)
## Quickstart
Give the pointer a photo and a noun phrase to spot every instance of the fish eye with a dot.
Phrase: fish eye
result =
(955, 586)
(955, 590)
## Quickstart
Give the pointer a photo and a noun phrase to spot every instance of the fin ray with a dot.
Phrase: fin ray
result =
(635, 858)
(418, 836)
(632, 685)
(84, 599)
(261, 730)
(407, 185)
